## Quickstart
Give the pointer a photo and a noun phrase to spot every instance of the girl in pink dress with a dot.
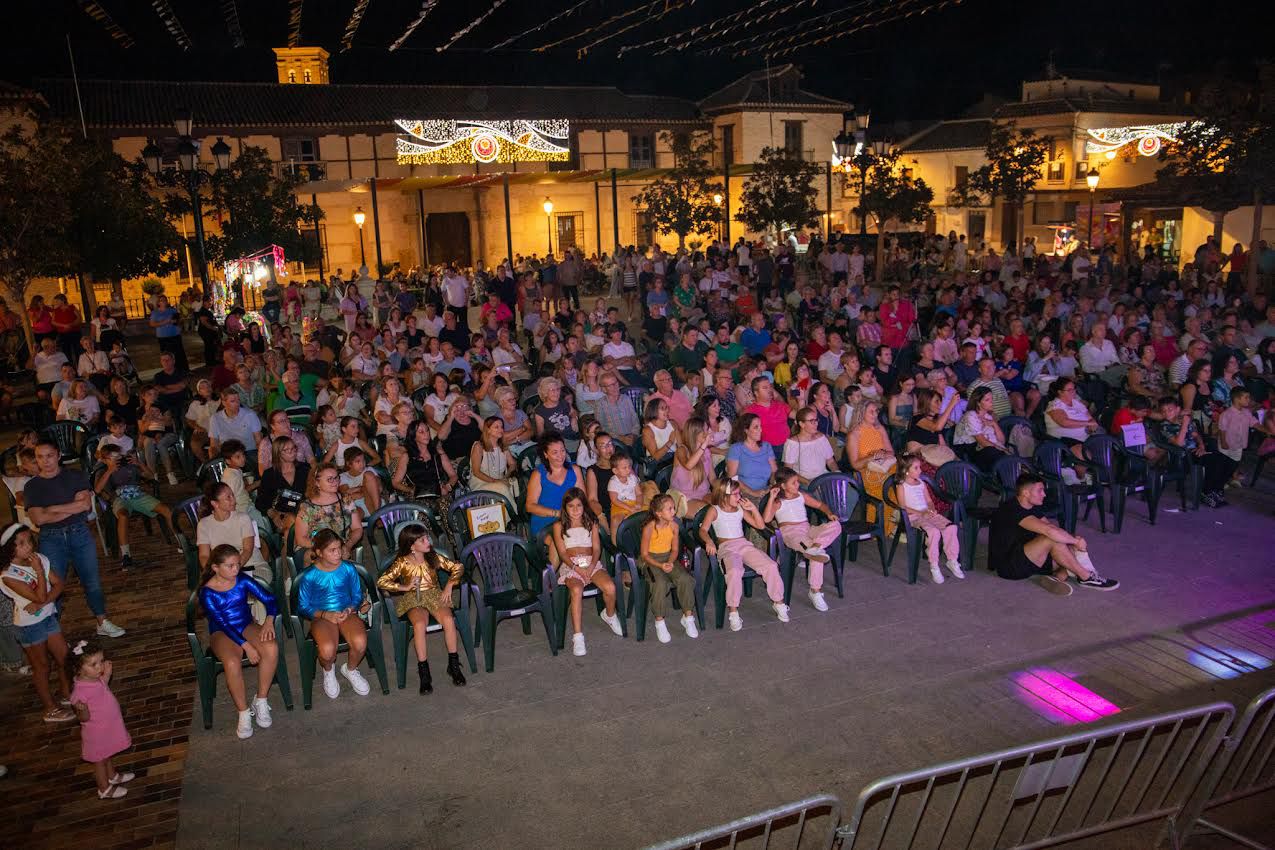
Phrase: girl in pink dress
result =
(102, 732)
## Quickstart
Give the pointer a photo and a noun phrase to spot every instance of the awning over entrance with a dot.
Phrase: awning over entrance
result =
(516, 178)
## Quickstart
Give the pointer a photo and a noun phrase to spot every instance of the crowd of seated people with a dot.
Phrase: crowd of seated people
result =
(708, 401)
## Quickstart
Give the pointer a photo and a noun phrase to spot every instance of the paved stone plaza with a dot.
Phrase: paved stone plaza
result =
(638, 742)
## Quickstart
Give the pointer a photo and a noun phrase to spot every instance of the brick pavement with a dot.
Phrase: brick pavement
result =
(50, 799)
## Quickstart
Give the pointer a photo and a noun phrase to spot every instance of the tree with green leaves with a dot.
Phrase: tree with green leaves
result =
(681, 202)
(121, 227)
(1014, 159)
(891, 193)
(260, 209)
(37, 179)
(780, 193)
(1228, 157)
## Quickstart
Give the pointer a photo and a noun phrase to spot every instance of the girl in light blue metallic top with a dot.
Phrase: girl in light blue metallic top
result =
(233, 634)
(331, 595)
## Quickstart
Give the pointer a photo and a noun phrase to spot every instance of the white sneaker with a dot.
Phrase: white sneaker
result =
(612, 620)
(356, 680)
(781, 611)
(817, 553)
(817, 600)
(261, 711)
(954, 567)
(172, 479)
(577, 644)
(736, 621)
(935, 575)
(331, 686)
(244, 729)
(688, 625)
(661, 631)
(108, 629)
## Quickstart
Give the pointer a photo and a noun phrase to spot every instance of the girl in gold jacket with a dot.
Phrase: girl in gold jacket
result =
(413, 577)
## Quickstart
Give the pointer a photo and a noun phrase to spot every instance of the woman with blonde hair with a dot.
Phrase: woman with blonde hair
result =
(692, 475)
(868, 451)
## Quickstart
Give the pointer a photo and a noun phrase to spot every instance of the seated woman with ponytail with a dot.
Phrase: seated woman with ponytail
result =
(234, 632)
(221, 524)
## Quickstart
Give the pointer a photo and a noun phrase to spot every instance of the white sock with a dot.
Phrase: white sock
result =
(124, 550)
(1085, 561)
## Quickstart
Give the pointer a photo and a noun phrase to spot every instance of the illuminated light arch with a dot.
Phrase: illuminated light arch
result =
(1147, 138)
(445, 142)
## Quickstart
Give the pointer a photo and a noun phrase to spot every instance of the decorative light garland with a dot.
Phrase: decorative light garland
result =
(1146, 138)
(231, 14)
(427, 6)
(169, 18)
(718, 27)
(95, 11)
(538, 27)
(446, 142)
(352, 26)
(799, 27)
(463, 31)
(294, 23)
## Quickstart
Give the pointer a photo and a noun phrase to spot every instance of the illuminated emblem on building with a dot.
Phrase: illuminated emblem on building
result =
(1147, 138)
(443, 142)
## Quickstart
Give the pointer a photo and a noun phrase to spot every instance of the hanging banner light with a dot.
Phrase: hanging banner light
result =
(445, 142)
(1147, 138)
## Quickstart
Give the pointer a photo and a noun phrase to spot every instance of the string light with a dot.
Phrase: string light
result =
(356, 18)
(645, 7)
(169, 18)
(669, 6)
(231, 14)
(538, 27)
(95, 11)
(427, 6)
(462, 32)
(717, 27)
(870, 25)
(798, 29)
(294, 23)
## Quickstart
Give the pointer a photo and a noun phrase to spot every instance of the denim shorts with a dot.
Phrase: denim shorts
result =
(38, 633)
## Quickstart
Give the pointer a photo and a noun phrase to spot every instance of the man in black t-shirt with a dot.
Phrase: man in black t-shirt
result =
(1023, 543)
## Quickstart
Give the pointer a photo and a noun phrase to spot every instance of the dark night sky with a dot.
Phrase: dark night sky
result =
(929, 66)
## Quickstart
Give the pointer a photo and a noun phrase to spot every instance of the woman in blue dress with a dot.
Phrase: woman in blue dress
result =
(550, 481)
(234, 633)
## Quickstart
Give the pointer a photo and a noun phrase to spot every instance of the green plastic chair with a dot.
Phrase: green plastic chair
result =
(630, 539)
(401, 628)
(191, 555)
(308, 652)
(208, 666)
(493, 561)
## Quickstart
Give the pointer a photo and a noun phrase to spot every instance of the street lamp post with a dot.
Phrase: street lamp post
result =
(1092, 179)
(548, 205)
(359, 218)
(188, 161)
(717, 199)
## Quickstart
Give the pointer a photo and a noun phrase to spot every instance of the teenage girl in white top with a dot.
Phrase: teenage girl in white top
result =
(787, 507)
(579, 551)
(727, 511)
(913, 495)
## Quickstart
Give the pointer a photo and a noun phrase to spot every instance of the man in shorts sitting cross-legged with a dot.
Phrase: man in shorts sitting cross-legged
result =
(1024, 543)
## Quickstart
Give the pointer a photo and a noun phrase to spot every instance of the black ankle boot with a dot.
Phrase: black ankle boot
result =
(453, 669)
(427, 681)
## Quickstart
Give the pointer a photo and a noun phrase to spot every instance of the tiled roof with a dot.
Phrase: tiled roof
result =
(951, 136)
(119, 104)
(1068, 105)
(779, 86)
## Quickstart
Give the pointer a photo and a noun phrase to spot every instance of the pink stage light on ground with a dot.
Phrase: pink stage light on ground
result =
(1061, 698)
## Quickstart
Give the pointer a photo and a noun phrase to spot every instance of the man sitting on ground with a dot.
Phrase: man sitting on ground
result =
(1024, 543)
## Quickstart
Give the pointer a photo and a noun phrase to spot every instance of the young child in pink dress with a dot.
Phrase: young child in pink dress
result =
(102, 732)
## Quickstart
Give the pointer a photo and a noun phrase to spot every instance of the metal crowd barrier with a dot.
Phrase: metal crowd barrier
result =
(1242, 768)
(1046, 793)
(1042, 794)
(757, 831)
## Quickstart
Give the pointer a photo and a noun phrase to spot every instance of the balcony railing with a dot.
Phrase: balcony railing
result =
(307, 170)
